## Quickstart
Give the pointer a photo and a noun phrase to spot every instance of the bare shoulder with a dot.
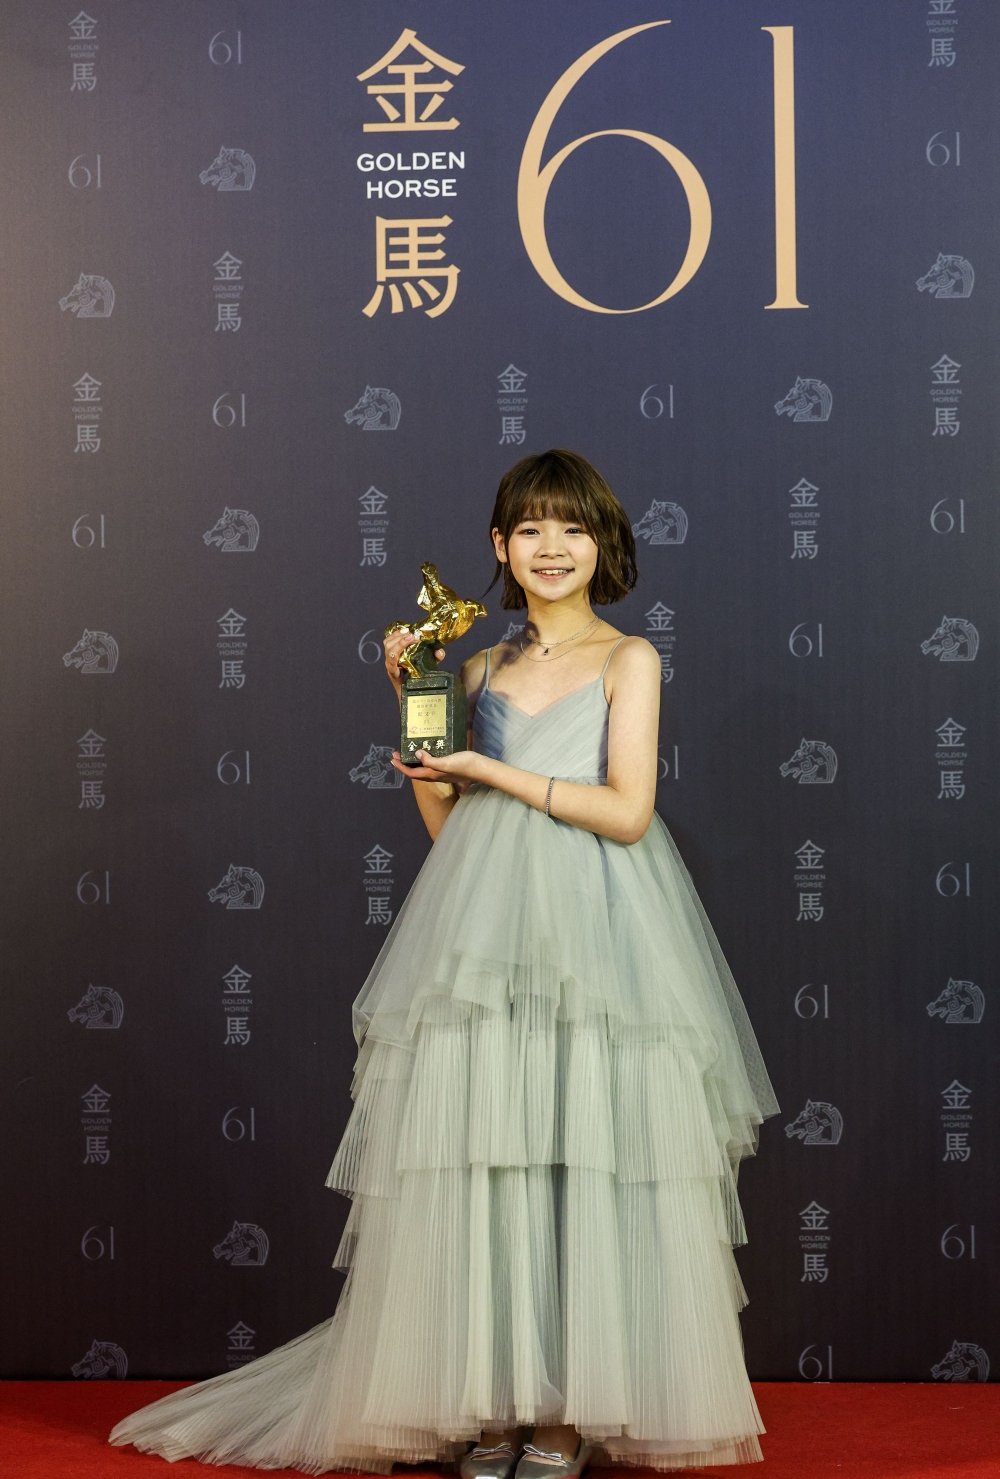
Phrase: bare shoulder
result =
(473, 671)
(634, 663)
(635, 655)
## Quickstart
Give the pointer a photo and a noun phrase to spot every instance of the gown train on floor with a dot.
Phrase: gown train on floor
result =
(556, 1083)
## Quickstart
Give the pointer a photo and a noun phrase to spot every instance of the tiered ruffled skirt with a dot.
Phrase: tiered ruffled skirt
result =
(555, 1085)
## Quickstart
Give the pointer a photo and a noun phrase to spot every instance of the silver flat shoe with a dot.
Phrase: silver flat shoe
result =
(536, 1463)
(488, 1463)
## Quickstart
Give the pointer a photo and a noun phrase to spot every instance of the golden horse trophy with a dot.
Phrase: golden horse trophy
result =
(432, 703)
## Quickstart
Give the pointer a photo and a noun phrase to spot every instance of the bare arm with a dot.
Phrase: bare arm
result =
(435, 800)
(621, 809)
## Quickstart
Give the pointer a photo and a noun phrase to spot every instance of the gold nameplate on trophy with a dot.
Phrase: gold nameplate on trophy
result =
(432, 703)
(427, 714)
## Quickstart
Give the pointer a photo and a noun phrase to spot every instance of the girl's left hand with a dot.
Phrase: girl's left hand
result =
(463, 765)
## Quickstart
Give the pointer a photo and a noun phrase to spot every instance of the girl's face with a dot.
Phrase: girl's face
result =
(550, 559)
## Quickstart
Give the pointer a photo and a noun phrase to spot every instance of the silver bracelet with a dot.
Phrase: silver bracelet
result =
(548, 795)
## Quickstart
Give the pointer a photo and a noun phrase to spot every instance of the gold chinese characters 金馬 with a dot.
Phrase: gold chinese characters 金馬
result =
(408, 251)
(409, 90)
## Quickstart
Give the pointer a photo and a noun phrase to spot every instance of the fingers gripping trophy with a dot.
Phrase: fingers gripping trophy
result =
(432, 703)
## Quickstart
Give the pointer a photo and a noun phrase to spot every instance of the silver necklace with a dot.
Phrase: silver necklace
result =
(589, 627)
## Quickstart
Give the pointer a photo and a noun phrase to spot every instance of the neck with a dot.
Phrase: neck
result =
(551, 621)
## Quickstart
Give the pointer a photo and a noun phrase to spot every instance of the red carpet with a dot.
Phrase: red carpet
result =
(56, 1430)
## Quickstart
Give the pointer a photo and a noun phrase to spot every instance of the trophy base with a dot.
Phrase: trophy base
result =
(432, 716)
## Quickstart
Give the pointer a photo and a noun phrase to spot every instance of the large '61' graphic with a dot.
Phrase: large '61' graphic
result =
(534, 181)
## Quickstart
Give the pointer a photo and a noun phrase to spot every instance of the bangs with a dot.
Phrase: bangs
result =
(549, 500)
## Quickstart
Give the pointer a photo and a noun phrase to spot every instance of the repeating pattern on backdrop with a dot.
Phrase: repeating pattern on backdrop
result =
(98, 1007)
(231, 169)
(96, 652)
(239, 888)
(104, 1359)
(417, 226)
(950, 276)
(808, 400)
(377, 409)
(235, 532)
(245, 1246)
(959, 1002)
(662, 523)
(91, 296)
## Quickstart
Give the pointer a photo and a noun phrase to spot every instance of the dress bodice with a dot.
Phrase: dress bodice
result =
(568, 738)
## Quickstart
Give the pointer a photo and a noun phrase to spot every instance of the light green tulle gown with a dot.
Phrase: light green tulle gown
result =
(556, 1083)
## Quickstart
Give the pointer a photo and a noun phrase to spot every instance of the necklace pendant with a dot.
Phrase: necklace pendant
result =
(545, 651)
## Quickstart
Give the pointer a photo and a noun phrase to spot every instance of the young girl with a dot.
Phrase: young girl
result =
(556, 1083)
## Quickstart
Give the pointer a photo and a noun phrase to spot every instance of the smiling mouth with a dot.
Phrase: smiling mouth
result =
(554, 570)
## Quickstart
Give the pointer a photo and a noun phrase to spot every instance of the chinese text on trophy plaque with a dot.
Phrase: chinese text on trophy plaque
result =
(432, 710)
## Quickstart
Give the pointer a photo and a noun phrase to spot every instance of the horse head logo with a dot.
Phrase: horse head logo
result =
(377, 410)
(231, 169)
(964, 1362)
(96, 652)
(950, 277)
(104, 1360)
(813, 764)
(90, 297)
(241, 888)
(818, 1124)
(664, 523)
(960, 1001)
(99, 1007)
(245, 1246)
(377, 771)
(956, 640)
(808, 400)
(236, 532)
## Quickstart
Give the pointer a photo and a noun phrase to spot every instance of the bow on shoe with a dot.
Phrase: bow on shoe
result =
(537, 1462)
(496, 1462)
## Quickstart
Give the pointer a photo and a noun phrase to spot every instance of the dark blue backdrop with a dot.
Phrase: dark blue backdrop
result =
(203, 175)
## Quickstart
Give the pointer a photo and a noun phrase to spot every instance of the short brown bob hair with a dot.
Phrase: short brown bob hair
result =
(563, 485)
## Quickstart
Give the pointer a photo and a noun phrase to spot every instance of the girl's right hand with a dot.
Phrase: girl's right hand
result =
(393, 646)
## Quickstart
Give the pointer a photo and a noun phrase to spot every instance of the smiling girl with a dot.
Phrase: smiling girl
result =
(556, 1084)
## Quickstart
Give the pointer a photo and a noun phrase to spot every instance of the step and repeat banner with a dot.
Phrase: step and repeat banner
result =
(288, 289)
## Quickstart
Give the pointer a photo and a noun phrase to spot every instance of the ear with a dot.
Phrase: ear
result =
(499, 545)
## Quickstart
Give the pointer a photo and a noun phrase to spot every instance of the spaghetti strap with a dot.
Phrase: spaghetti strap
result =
(487, 683)
(611, 654)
